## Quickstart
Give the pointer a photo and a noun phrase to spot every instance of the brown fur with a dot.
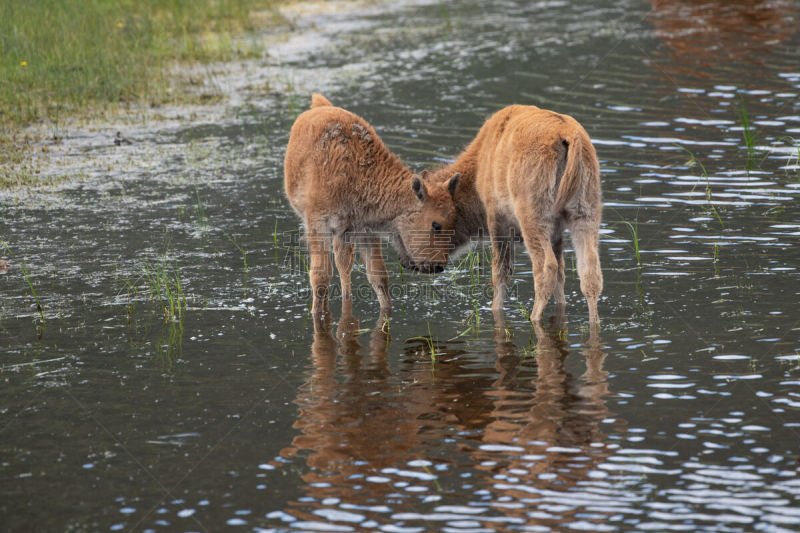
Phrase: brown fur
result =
(533, 172)
(349, 188)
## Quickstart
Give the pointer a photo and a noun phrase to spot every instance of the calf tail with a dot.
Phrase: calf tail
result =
(317, 100)
(573, 173)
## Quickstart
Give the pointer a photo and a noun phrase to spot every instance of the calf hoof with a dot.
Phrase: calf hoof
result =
(536, 320)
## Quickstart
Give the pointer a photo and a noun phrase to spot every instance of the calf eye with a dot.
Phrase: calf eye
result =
(436, 227)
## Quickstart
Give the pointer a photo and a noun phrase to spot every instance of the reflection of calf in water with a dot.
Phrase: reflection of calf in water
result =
(545, 436)
(563, 411)
(352, 423)
(364, 428)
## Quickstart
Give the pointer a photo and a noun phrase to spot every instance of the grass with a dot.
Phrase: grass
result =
(470, 262)
(633, 227)
(61, 57)
(793, 159)
(693, 161)
(244, 261)
(429, 344)
(200, 212)
(524, 311)
(748, 134)
(26, 274)
(472, 321)
(165, 287)
(241, 251)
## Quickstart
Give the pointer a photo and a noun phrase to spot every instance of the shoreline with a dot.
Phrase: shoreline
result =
(42, 156)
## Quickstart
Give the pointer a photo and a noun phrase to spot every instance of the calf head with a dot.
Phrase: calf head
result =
(424, 237)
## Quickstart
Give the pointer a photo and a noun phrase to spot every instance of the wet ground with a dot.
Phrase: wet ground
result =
(682, 412)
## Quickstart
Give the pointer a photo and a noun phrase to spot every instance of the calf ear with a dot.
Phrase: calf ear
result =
(453, 184)
(418, 187)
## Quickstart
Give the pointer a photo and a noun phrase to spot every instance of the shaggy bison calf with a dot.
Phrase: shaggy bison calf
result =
(349, 188)
(532, 172)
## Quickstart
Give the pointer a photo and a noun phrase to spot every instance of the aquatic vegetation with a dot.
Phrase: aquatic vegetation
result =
(634, 229)
(523, 310)
(169, 346)
(241, 251)
(200, 214)
(430, 345)
(26, 274)
(471, 263)
(793, 157)
(693, 161)
(165, 287)
(748, 134)
(472, 321)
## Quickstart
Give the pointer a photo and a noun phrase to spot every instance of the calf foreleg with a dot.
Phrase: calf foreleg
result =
(377, 274)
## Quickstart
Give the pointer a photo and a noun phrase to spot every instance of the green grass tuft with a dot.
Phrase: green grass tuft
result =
(634, 229)
(200, 213)
(748, 134)
(165, 287)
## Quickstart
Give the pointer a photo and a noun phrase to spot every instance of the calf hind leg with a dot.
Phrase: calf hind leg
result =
(558, 251)
(343, 255)
(536, 234)
(320, 270)
(585, 237)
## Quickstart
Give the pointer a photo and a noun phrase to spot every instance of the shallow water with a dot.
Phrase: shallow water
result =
(679, 413)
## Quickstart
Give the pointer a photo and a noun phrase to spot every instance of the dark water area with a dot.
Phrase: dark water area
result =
(681, 412)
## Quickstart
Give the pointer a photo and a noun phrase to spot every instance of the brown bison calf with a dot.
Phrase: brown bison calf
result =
(348, 187)
(533, 172)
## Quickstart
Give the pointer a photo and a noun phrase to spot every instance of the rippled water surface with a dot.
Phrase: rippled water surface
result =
(681, 412)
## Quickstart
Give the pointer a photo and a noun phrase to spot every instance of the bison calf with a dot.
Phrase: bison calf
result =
(532, 172)
(350, 189)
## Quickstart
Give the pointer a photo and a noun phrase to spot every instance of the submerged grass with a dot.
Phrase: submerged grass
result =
(169, 346)
(61, 57)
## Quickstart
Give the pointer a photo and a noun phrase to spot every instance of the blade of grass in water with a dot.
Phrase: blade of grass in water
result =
(26, 273)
